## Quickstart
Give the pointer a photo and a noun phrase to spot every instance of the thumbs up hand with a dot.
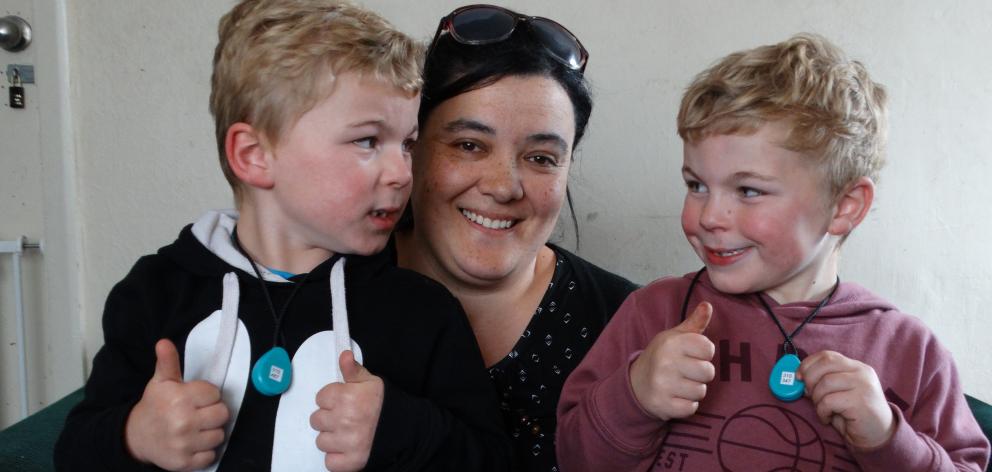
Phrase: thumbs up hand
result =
(347, 415)
(175, 425)
(669, 377)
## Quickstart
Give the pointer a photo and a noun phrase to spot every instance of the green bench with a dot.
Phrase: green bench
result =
(27, 445)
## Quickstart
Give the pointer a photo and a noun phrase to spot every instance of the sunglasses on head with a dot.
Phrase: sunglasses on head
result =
(488, 24)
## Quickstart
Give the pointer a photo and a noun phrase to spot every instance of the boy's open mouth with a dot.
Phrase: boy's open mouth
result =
(724, 257)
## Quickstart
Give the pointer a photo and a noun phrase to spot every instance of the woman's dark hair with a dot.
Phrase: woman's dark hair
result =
(452, 68)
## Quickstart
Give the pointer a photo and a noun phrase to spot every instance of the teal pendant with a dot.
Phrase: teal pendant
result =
(273, 372)
(783, 382)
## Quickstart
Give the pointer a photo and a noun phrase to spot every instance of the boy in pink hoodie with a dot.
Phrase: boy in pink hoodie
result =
(780, 366)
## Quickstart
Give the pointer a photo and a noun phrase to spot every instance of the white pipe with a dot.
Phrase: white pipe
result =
(16, 248)
(21, 348)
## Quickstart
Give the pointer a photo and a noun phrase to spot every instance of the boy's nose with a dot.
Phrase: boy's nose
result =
(397, 172)
(501, 179)
(714, 214)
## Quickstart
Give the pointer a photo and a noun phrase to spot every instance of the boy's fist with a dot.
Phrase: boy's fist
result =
(347, 415)
(175, 425)
(848, 396)
(669, 378)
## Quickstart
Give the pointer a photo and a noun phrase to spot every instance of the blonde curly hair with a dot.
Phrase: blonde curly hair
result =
(276, 59)
(835, 112)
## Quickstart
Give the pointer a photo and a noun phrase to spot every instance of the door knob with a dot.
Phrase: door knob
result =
(15, 33)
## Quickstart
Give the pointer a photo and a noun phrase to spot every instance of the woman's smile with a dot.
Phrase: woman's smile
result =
(488, 222)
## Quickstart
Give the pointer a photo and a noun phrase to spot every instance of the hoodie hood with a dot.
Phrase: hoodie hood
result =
(206, 248)
(215, 231)
(850, 302)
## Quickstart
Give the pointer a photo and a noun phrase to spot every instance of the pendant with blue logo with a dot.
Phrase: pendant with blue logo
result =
(273, 372)
(783, 382)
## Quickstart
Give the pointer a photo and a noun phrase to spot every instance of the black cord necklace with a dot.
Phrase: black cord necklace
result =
(788, 337)
(273, 372)
(782, 381)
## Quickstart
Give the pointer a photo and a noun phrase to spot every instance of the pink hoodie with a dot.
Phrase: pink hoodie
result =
(740, 426)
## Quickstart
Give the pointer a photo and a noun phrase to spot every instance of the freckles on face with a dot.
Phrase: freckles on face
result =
(490, 172)
(555, 191)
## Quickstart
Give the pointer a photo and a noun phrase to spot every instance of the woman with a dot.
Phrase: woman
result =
(504, 104)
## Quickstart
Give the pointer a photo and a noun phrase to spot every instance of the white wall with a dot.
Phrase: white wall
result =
(146, 162)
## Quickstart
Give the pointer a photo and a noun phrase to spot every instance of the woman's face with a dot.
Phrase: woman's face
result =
(490, 170)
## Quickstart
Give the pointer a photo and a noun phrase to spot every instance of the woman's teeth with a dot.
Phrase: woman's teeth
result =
(486, 222)
(732, 252)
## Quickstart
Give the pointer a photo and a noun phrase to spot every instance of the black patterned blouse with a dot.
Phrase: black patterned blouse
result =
(579, 301)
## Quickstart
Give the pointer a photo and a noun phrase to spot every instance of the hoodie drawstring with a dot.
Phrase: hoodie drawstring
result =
(339, 310)
(217, 371)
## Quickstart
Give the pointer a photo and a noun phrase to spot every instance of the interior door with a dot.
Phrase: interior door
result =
(35, 201)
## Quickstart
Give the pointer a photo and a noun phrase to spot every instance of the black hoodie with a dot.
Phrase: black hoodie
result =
(439, 410)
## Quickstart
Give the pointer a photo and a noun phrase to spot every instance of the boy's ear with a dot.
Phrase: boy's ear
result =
(247, 155)
(852, 206)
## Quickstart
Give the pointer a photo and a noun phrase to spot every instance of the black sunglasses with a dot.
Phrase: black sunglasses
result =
(488, 24)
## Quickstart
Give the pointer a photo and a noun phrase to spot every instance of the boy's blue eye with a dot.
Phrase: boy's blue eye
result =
(695, 186)
(408, 145)
(368, 142)
(748, 192)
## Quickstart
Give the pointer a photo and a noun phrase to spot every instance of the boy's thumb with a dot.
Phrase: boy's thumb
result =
(351, 370)
(167, 362)
(698, 320)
